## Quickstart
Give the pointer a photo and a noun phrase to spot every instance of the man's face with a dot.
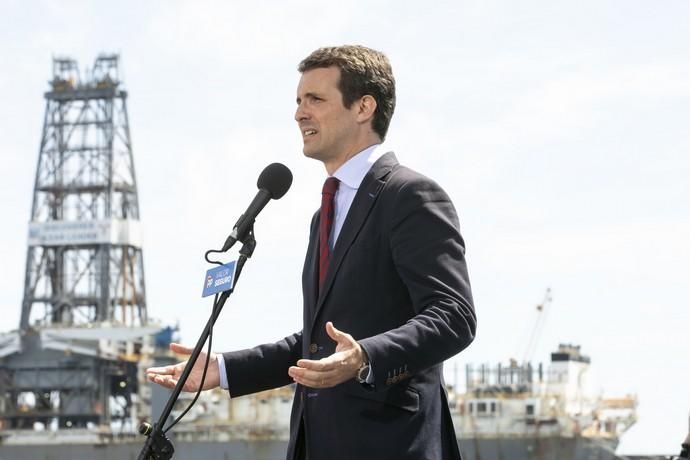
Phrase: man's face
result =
(329, 130)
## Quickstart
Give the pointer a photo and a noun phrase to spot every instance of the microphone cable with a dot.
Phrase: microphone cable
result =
(203, 375)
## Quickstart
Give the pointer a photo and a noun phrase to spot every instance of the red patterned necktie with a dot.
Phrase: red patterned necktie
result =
(326, 224)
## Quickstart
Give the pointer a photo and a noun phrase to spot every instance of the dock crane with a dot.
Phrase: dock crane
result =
(541, 312)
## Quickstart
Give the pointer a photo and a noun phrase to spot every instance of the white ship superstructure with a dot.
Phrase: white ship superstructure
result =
(527, 408)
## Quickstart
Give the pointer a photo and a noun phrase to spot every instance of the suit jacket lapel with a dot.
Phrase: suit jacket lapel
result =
(359, 210)
(310, 277)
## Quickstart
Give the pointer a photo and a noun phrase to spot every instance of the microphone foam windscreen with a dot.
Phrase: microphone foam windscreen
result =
(276, 179)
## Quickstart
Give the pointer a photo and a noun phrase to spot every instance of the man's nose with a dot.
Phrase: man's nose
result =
(300, 113)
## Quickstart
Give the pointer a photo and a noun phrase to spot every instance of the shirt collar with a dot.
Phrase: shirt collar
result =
(352, 172)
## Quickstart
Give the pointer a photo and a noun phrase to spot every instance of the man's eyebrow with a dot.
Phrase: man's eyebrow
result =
(309, 95)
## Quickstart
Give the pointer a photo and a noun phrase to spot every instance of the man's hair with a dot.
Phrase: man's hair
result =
(363, 71)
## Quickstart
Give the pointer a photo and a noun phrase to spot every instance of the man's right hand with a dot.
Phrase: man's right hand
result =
(168, 376)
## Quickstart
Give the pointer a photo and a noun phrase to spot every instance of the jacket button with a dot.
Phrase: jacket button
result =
(313, 348)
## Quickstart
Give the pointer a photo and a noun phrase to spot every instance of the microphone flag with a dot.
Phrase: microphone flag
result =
(219, 279)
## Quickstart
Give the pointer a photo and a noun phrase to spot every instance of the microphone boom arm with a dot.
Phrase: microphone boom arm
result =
(157, 445)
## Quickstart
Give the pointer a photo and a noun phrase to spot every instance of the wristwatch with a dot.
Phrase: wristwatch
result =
(363, 372)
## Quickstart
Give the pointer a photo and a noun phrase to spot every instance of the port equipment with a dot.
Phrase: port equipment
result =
(73, 361)
(541, 312)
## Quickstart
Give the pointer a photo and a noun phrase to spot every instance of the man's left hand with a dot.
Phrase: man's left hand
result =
(332, 370)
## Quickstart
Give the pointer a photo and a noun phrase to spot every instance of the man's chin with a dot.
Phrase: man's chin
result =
(310, 153)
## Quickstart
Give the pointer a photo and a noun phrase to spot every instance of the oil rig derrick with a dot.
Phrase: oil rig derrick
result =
(73, 362)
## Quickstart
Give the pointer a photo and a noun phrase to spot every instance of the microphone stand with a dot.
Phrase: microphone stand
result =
(158, 446)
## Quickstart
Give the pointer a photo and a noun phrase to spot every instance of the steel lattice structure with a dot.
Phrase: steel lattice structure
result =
(83, 328)
(84, 261)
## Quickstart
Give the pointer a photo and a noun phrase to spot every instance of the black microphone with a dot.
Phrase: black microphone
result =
(274, 181)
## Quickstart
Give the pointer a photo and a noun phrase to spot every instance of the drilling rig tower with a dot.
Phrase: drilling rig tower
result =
(74, 361)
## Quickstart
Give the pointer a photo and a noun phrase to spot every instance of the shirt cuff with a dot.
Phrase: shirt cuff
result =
(223, 373)
(369, 379)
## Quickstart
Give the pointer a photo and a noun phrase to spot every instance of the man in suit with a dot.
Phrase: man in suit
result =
(385, 264)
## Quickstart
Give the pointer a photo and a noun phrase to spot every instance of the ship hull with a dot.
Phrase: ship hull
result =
(552, 448)
(230, 450)
(543, 448)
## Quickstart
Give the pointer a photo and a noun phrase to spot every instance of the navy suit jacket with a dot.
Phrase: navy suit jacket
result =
(397, 282)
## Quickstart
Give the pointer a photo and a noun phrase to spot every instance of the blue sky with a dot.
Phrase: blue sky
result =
(560, 130)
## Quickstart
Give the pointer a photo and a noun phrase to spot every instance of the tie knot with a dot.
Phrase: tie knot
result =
(330, 186)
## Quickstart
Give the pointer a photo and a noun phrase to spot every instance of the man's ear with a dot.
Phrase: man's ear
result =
(366, 107)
